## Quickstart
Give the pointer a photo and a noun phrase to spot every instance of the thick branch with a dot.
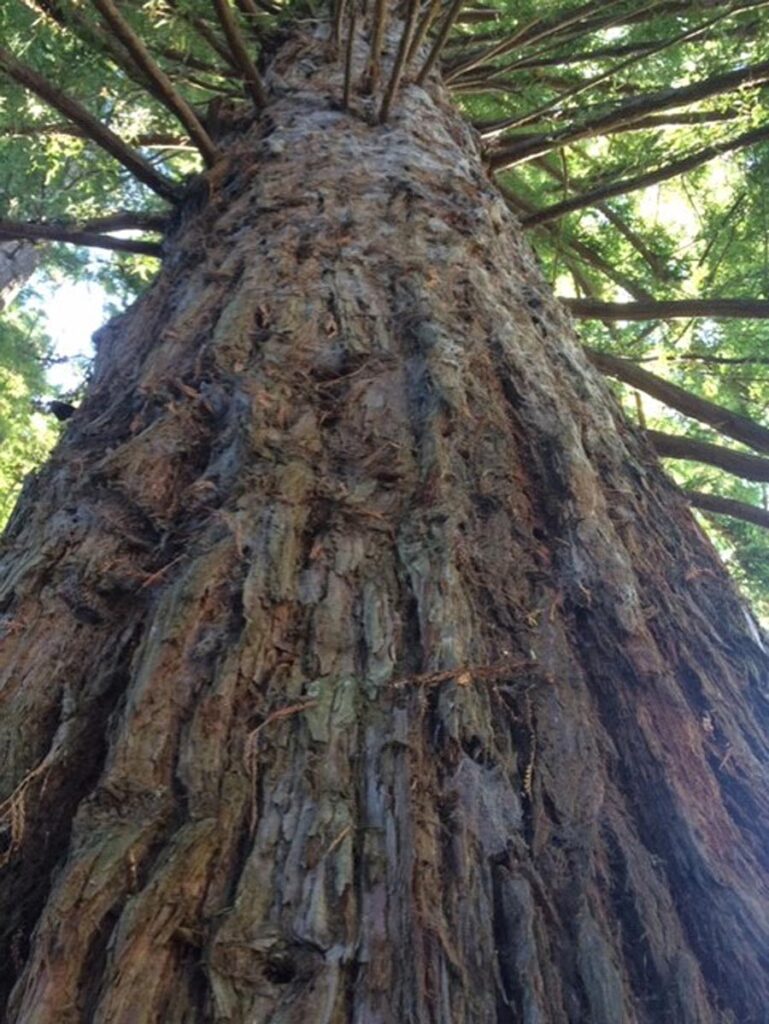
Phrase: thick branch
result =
(144, 61)
(728, 507)
(76, 236)
(748, 467)
(240, 53)
(669, 309)
(631, 110)
(730, 424)
(92, 127)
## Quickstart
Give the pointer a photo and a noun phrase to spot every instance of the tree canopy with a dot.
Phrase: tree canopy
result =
(631, 138)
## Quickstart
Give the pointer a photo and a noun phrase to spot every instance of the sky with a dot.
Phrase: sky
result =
(73, 312)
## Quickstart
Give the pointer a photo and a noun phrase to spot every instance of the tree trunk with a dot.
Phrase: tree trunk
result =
(360, 662)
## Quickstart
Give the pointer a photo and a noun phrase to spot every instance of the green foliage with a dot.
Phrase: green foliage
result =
(26, 435)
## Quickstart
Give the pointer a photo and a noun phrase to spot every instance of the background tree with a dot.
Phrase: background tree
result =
(360, 663)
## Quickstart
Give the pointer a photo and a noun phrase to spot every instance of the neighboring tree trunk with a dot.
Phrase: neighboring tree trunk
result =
(360, 662)
(18, 261)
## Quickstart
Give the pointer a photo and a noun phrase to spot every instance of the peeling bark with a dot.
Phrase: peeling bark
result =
(360, 664)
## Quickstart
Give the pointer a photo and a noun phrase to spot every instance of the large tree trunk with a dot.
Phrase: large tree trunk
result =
(360, 663)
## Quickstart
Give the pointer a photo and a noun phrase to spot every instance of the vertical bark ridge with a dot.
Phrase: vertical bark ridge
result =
(430, 701)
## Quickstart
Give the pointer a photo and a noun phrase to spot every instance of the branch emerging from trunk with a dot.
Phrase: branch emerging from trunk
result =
(80, 235)
(165, 87)
(671, 170)
(628, 112)
(399, 64)
(748, 467)
(91, 126)
(728, 507)
(440, 40)
(669, 309)
(237, 45)
(730, 424)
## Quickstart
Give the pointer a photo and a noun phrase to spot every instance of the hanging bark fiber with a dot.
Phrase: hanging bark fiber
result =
(360, 663)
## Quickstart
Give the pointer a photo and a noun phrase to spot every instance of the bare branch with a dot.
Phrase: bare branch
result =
(527, 34)
(348, 54)
(728, 507)
(440, 40)
(399, 64)
(748, 467)
(425, 24)
(170, 97)
(669, 309)
(75, 236)
(339, 7)
(240, 53)
(91, 126)
(730, 424)
(377, 39)
(671, 170)
(203, 29)
(688, 36)
(629, 111)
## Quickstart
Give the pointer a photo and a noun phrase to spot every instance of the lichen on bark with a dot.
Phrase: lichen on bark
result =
(360, 663)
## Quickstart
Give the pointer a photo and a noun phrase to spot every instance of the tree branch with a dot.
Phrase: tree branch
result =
(581, 249)
(91, 126)
(77, 236)
(748, 467)
(730, 424)
(728, 507)
(163, 84)
(440, 41)
(348, 56)
(576, 90)
(71, 20)
(631, 110)
(431, 13)
(240, 53)
(669, 309)
(377, 39)
(531, 32)
(399, 64)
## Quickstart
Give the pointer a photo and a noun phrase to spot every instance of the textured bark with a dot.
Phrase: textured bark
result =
(360, 664)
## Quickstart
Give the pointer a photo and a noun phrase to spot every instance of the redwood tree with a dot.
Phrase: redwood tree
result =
(360, 663)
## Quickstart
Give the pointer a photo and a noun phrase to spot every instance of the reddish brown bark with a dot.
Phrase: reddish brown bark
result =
(360, 664)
